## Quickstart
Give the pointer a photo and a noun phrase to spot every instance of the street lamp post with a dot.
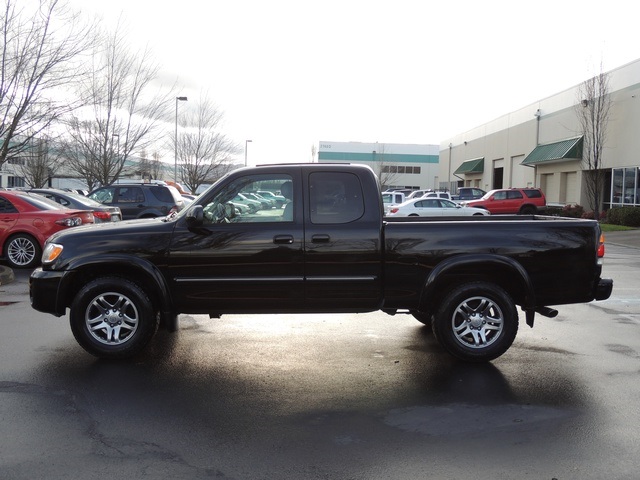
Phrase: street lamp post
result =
(245, 151)
(175, 155)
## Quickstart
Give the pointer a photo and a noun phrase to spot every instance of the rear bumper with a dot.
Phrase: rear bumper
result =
(603, 289)
(44, 291)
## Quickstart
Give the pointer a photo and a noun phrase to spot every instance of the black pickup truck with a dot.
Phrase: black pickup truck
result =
(328, 249)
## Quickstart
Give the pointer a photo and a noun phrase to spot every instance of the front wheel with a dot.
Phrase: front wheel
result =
(23, 251)
(112, 318)
(476, 322)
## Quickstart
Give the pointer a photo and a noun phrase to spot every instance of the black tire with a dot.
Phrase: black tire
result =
(423, 318)
(528, 210)
(23, 251)
(476, 322)
(122, 316)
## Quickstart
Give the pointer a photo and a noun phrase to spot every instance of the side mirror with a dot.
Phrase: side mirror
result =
(195, 216)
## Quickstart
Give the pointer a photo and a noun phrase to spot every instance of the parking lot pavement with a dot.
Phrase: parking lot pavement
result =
(6, 275)
(626, 238)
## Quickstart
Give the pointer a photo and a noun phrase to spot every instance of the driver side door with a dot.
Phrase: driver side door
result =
(238, 261)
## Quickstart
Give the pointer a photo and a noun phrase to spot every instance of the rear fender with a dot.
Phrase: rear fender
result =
(489, 264)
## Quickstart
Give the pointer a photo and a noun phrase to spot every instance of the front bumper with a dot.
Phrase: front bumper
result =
(44, 291)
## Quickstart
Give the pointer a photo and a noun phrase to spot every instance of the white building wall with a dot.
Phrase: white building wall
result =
(516, 134)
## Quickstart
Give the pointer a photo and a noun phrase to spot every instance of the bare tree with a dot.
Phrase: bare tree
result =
(204, 152)
(40, 49)
(387, 174)
(122, 114)
(38, 164)
(593, 109)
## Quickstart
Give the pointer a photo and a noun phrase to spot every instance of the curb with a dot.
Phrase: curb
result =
(6, 275)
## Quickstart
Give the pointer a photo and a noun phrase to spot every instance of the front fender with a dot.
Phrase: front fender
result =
(129, 266)
(490, 264)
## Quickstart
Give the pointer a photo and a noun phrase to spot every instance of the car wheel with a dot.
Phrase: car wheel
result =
(23, 251)
(528, 210)
(476, 322)
(112, 318)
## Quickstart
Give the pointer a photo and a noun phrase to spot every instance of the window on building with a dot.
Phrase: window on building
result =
(15, 182)
(625, 186)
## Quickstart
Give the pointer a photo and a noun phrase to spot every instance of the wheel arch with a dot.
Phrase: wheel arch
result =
(140, 271)
(502, 271)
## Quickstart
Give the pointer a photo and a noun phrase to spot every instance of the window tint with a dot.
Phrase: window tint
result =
(533, 193)
(163, 194)
(335, 197)
(6, 206)
(130, 195)
(514, 194)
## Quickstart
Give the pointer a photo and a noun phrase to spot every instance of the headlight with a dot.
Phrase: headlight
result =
(51, 252)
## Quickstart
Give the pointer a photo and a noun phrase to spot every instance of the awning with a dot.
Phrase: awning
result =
(570, 149)
(471, 166)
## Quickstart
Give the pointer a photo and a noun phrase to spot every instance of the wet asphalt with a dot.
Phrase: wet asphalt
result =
(364, 396)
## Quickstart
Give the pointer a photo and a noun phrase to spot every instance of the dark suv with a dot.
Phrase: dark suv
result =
(140, 200)
(523, 201)
(468, 193)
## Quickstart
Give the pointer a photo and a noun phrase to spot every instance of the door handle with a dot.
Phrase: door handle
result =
(283, 239)
(320, 238)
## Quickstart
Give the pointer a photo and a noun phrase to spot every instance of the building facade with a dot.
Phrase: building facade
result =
(405, 166)
(541, 145)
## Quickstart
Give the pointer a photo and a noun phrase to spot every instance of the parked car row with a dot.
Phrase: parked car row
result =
(433, 207)
(27, 220)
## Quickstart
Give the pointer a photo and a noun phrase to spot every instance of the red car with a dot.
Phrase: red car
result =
(27, 220)
(521, 201)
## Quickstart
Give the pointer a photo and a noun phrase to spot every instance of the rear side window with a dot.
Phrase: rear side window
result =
(162, 194)
(335, 197)
(130, 195)
(514, 195)
(6, 206)
(533, 193)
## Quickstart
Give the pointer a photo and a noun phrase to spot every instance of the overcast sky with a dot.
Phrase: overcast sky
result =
(289, 73)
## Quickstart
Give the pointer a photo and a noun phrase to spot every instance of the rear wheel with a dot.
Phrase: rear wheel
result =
(528, 210)
(476, 322)
(23, 251)
(112, 318)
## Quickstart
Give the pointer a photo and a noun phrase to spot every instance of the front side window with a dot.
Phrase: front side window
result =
(103, 195)
(500, 196)
(234, 203)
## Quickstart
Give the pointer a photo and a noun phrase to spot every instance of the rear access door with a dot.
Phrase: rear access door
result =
(343, 251)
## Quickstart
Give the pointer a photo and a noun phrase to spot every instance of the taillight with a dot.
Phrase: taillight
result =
(393, 210)
(104, 216)
(70, 221)
(601, 249)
